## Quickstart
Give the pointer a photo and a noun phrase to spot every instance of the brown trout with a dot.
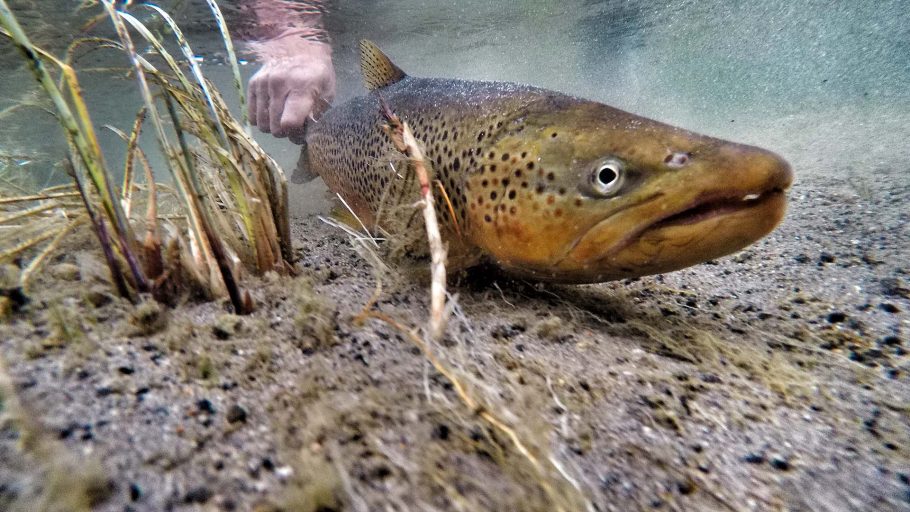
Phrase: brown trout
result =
(546, 185)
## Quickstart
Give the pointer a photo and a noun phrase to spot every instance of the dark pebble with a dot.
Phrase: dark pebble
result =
(710, 378)
(826, 257)
(780, 463)
(895, 287)
(198, 495)
(754, 458)
(135, 492)
(441, 432)
(104, 391)
(126, 370)
(887, 307)
(836, 317)
(890, 341)
(205, 406)
(801, 258)
(685, 487)
(236, 414)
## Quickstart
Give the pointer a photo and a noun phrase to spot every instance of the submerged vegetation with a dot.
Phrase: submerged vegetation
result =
(230, 214)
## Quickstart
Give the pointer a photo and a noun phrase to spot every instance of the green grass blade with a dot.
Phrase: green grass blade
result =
(232, 57)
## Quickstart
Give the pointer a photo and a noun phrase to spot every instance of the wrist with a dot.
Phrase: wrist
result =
(292, 43)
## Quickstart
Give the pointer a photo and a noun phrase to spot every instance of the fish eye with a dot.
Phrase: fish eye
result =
(607, 177)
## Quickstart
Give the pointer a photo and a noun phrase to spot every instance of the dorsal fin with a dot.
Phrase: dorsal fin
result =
(378, 70)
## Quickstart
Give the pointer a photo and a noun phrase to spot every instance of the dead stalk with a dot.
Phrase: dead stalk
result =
(404, 141)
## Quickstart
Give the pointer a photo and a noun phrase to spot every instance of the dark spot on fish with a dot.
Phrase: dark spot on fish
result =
(492, 155)
(512, 210)
(484, 183)
(553, 135)
(495, 182)
(551, 176)
(540, 188)
(505, 182)
(558, 212)
(562, 191)
(439, 160)
(480, 136)
(530, 166)
(524, 154)
(578, 202)
(511, 194)
(524, 184)
(493, 168)
(493, 195)
(505, 156)
(479, 200)
(518, 173)
(487, 218)
(456, 165)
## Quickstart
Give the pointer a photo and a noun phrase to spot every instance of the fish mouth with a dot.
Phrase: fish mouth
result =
(704, 209)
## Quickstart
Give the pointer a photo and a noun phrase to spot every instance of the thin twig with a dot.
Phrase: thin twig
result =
(404, 141)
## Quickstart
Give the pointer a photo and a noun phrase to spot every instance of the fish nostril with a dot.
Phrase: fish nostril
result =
(677, 159)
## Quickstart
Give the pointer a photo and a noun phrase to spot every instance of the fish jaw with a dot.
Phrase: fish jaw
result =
(696, 216)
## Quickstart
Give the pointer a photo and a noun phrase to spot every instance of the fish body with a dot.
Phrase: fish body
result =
(547, 185)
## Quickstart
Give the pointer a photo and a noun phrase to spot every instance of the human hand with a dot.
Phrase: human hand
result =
(296, 82)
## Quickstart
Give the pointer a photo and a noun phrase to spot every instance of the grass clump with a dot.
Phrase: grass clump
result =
(231, 198)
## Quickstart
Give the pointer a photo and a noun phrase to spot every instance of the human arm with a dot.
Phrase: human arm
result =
(297, 79)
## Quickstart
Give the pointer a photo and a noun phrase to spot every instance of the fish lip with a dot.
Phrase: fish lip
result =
(712, 205)
(704, 208)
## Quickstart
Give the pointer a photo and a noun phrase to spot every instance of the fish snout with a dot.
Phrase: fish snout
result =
(754, 170)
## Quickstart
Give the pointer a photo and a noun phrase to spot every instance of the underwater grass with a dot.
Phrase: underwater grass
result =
(232, 215)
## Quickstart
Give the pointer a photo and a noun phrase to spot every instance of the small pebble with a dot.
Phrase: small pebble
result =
(205, 405)
(887, 307)
(197, 495)
(754, 458)
(895, 287)
(226, 326)
(826, 257)
(135, 492)
(780, 463)
(98, 297)
(836, 317)
(236, 414)
(890, 341)
(65, 271)
(801, 258)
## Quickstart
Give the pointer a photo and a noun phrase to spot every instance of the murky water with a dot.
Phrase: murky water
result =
(827, 85)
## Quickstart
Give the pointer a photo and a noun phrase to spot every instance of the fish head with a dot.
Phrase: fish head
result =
(575, 191)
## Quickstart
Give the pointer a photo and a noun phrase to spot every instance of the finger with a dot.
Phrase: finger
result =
(297, 108)
(251, 99)
(277, 107)
(262, 107)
